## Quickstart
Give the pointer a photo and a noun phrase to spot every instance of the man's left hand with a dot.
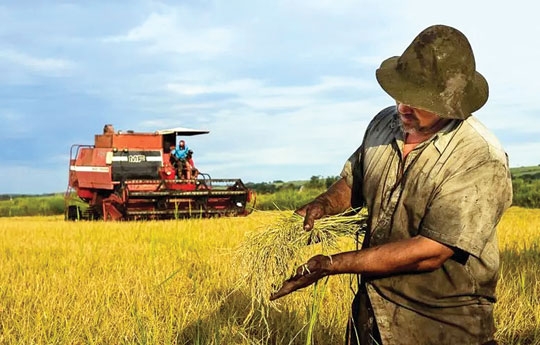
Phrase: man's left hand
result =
(314, 269)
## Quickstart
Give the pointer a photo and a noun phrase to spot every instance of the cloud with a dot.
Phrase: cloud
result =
(338, 8)
(15, 125)
(315, 134)
(239, 86)
(50, 66)
(260, 125)
(256, 94)
(164, 33)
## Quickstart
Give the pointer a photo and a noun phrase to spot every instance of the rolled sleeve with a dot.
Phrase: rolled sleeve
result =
(350, 165)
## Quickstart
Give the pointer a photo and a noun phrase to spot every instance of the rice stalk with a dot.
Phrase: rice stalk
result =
(271, 254)
(319, 289)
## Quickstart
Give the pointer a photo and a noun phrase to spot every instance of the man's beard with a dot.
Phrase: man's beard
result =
(414, 127)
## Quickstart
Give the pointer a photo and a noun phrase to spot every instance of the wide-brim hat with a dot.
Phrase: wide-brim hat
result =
(437, 73)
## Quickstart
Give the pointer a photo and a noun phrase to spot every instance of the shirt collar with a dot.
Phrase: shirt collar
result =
(440, 140)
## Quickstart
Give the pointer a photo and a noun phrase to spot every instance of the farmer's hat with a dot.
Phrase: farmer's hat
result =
(436, 73)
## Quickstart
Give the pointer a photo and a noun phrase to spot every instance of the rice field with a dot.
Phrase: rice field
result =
(182, 282)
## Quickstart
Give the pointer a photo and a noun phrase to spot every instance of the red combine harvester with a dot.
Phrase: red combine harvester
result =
(129, 176)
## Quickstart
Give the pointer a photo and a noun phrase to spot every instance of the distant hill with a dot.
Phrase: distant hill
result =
(13, 196)
(524, 172)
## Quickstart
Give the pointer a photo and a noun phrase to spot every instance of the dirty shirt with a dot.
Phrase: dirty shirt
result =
(452, 188)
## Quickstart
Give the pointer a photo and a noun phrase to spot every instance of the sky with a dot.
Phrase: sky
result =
(286, 88)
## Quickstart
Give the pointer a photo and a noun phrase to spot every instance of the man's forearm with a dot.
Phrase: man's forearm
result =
(337, 198)
(412, 255)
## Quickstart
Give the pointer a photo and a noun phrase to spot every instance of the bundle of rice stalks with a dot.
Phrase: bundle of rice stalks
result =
(271, 254)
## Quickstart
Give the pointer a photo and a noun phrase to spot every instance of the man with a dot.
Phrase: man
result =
(108, 129)
(435, 183)
(181, 151)
(179, 156)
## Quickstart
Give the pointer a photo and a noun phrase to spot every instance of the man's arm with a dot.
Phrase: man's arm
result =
(336, 199)
(417, 254)
(173, 157)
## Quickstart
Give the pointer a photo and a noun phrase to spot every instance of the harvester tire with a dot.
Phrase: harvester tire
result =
(74, 213)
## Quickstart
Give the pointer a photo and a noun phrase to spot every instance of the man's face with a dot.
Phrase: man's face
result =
(416, 121)
(182, 144)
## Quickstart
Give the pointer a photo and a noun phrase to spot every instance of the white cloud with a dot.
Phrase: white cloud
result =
(239, 86)
(40, 65)
(15, 124)
(258, 95)
(317, 134)
(164, 33)
(332, 7)
(281, 126)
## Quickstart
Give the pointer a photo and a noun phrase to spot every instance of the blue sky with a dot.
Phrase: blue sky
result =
(286, 88)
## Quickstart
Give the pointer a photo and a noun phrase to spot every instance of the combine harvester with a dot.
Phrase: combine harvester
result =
(129, 176)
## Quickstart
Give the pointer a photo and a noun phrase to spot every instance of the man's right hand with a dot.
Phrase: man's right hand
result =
(311, 212)
(335, 200)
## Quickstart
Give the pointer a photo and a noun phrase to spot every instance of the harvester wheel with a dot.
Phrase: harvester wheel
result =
(161, 204)
(74, 213)
(201, 205)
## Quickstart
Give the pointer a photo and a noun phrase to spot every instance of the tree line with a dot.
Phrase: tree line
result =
(526, 190)
(31, 205)
(276, 195)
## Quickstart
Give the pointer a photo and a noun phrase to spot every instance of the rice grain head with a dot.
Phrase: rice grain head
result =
(271, 254)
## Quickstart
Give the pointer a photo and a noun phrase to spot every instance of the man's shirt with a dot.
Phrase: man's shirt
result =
(452, 188)
(181, 153)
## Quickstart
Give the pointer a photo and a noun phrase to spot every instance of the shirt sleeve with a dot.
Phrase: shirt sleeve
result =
(466, 208)
(347, 171)
(352, 172)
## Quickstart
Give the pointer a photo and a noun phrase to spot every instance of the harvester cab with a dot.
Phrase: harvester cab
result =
(130, 175)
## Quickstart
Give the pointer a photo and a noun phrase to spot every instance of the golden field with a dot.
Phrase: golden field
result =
(179, 282)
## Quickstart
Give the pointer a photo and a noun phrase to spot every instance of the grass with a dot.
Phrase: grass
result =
(177, 282)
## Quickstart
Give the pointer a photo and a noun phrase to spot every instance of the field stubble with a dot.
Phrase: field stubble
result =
(178, 282)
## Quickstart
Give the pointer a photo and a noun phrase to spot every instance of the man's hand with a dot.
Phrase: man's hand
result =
(311, 212)
(336, 199)
(314, 269)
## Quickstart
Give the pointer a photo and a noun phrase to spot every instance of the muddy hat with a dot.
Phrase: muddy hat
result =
(436, 73)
